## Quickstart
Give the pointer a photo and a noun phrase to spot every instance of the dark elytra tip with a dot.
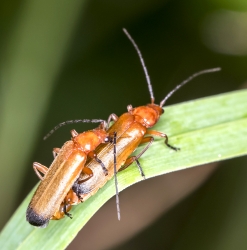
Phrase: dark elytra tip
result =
(36, 220)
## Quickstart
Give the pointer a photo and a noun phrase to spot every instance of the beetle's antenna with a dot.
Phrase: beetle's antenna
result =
(186, 81)
(115, 173)
(142, 63)
(71, 122)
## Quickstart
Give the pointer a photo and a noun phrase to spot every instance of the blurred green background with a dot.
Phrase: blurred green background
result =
(63, 60)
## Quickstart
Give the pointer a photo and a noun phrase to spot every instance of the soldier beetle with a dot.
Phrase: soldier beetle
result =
(130, 129)
(54, 197)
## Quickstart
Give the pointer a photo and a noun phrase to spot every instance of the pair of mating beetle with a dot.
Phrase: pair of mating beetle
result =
(75, 174)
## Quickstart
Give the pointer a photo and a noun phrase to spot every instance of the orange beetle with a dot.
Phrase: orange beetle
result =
(131, 130)
(54, 197)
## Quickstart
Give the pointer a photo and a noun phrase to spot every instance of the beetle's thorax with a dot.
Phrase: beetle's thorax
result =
(89, 140)
(147, 115)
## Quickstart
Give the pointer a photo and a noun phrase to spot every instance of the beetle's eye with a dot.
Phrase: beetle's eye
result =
(108, 139)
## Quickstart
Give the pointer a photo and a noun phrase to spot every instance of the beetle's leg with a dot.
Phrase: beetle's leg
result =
(112, 117)
(65, 210)
(72, 198)
(73, 133)
(87, 171)
(129, 161)
(55, 152)
(39, 168)
(149, 140)
(160, 134)
(93, 155)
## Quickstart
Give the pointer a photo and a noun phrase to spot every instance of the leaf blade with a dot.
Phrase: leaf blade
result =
(207, 130)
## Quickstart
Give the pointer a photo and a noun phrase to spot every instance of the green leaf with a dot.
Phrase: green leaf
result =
(207, 130)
